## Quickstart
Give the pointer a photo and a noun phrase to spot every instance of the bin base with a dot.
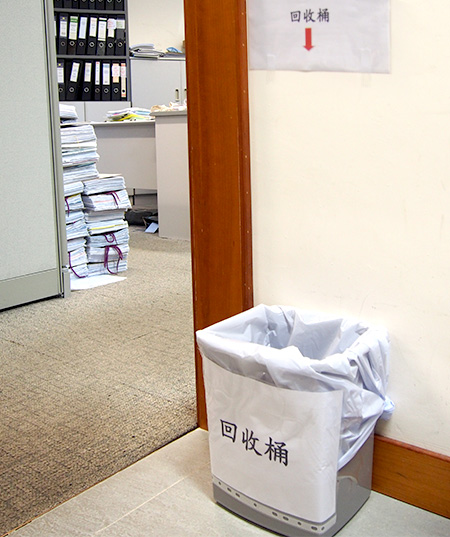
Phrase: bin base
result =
(353, 486)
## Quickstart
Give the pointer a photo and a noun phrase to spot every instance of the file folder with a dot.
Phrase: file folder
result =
(100, 4)
(60, 73)
(92, 36)
(106, 81)
(73, 82)
(73, 34)
(120, 36)
(115, 82)
(101, 36)
(118, 5)
(56, 30)
(123, 81)
(82, 35)
(63, 33)
(111, 37)
(86, 94)
(98, 81)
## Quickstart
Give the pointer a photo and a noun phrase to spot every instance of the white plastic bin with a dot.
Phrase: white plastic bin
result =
(292, 400)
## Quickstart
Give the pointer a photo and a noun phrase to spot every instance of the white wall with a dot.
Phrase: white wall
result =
(160, 22)
(351, 206)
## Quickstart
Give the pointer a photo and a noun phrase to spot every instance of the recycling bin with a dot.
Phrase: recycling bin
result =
(292, 400)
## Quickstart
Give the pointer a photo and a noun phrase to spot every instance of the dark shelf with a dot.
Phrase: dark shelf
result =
(89, 11)
(92, 57)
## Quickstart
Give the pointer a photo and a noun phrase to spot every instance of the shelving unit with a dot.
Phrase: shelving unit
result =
(93, 61)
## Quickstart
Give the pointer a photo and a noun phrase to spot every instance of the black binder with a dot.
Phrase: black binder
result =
(56, 30)
(92, 4)
(73, 80)
(100, 4)
(75, 4)
(118, 5)
(88, 75)
(123, 81)
(101, 36)
(120, 36)
(84, 4)
(58, 3)
(98, 81)
(73, 34)
(115, 81)
(67, 3)
(109, 4)
(82, 34)
(63, 33)
(111, 37)
(61, 80)
(106, 81)
(91, 47)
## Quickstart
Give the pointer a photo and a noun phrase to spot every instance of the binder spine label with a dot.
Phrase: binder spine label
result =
(87, 71)
(97, 73)
(74, 71)
(63, 26)
(102, 30)
(60, 71)
(93, 27)
(82, 28)
(106, 74)
(73, 26)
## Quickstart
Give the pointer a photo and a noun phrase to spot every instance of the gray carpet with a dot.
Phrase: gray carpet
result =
(92, 383)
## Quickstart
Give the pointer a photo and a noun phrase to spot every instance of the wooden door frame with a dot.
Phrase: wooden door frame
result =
(219, 165)
(221, 230)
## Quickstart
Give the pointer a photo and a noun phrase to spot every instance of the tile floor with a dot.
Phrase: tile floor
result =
(169, 494)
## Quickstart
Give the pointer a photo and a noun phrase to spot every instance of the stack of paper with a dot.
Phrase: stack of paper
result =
(97, 232)
(129, 114)
(105, 200)
(79, 158)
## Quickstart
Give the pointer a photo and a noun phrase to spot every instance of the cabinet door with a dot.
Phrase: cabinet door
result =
(32, 228)
(183, 87)
(154, 82)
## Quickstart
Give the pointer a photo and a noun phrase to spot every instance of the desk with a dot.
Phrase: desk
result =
(128, 148)
(172, 173)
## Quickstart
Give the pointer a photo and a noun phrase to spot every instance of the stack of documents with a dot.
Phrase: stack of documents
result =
(104, 183)
(105, 201)
(79, 158)
(129, 114)
(97, 232)
(145, 50)
(74, 202)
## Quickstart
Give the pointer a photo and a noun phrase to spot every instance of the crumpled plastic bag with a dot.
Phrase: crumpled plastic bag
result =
(312, 352)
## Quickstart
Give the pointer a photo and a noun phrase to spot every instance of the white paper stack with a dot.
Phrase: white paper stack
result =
(97, 232)
(105, 200)
(79, 158)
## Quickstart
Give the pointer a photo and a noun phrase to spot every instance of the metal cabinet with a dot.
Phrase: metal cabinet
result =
(157, 81)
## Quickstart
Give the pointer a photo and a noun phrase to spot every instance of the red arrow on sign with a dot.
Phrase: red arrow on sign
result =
(308, 39)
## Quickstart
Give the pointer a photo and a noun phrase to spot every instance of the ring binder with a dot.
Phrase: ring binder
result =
(92, 49)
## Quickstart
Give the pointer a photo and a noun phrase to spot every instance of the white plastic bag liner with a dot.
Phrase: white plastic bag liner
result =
(308, 352)
(279, 447)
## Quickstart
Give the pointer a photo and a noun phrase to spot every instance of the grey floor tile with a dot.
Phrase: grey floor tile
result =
(169, 493)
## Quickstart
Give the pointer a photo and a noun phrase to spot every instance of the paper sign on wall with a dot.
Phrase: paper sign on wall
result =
(319, 35)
